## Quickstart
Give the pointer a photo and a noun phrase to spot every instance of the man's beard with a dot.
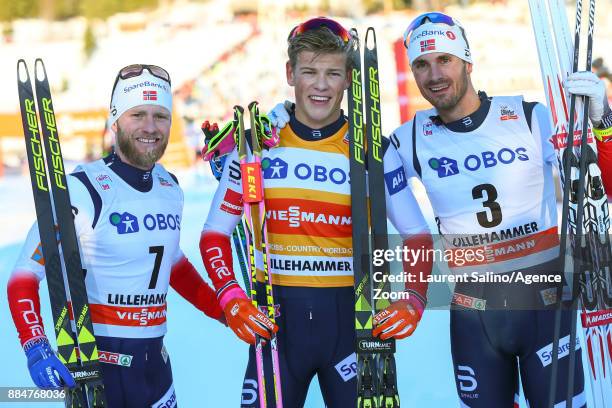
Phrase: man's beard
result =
(146, 160)
(453, 100)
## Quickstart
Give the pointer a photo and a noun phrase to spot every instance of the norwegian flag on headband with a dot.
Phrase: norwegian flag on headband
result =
(149, 95)
(428, 45)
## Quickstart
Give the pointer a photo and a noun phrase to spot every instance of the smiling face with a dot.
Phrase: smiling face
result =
(142, 135)
(319, 81)
(444, 80)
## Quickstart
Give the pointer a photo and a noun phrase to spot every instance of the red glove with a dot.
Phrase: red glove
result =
(245, 320)
(398, 320)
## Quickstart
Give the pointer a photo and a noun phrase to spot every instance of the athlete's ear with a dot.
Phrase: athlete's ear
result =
(468, 67)
(290, 76)
(114, 127)
(349, 73)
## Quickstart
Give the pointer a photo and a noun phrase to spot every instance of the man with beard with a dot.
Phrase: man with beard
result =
(127, 214)
(486, 163)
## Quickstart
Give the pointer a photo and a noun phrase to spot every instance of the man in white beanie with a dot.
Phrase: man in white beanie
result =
(127, 214)
(486, 163)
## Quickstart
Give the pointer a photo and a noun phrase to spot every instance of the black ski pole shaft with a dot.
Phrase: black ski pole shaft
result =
(580, 213)
(567, 159)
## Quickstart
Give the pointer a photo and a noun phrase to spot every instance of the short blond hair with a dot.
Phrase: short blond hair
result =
(320, 40)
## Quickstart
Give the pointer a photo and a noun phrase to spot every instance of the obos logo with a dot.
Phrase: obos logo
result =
(319, 173)
(126, 223)
(445, 166)
(274, 169)
(278, 169)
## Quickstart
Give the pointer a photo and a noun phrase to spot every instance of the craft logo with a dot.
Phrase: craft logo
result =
(126, 223)
(507, 114)
(428, 128)
(451, 35)
(428, 45)
(445, 166)
(232, 202)
(149, 95)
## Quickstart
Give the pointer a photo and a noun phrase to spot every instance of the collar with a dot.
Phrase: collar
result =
(312, 135)
(470, 122)
(139, 179)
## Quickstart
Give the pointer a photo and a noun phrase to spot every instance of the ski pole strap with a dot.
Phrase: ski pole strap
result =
(603, 132)
(218, 142)
(603, 135)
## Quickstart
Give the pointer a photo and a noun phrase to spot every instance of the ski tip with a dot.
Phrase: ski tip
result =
(370, 38)
(40, 73)
(22, 71)
(238, 108)
(253, 105)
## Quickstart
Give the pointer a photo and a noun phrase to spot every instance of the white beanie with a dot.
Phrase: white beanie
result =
(432, 37)
(144, 89)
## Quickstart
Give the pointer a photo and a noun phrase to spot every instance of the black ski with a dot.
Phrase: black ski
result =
(78, 352)
(376, 378)
(388, 396)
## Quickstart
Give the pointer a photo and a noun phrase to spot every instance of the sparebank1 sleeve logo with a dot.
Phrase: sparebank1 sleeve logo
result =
(125, 223)
(274, 168)
(445, 166)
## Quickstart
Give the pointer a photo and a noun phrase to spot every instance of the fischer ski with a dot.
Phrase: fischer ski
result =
(376, 371)
(77, 351)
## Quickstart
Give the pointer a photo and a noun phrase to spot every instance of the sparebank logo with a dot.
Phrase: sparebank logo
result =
(274, 168)
(445, 166)
(546, 354)
(125, 223)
